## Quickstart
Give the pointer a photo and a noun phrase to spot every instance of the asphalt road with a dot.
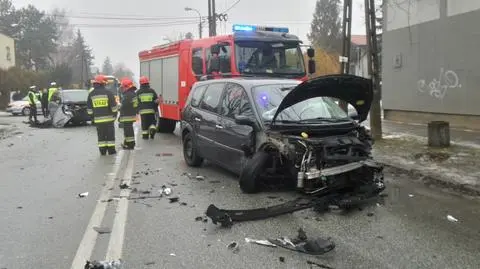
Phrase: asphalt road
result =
(45, 225)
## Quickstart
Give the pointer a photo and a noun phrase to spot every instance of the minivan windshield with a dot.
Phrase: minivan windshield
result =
(269, 97)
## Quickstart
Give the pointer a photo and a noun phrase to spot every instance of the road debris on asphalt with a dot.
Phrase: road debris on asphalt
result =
(165, 190)
(234, 247)
(83, 194)
(173, 254)
(319, 265)
(201, 218)
(103, 265)
(260, 242)
(451, 218)
(102, 230)
(200, 178)
(320, 203)
(173, 199)
(124, 185)
(281, 259)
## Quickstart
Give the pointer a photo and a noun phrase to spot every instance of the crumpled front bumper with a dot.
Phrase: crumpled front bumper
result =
(316, 174)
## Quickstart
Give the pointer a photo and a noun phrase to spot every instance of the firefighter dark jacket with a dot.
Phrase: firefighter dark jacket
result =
(128, 110)
(146, 100)
(101, 105)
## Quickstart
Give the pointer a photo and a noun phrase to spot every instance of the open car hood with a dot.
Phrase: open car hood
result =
(355, 90)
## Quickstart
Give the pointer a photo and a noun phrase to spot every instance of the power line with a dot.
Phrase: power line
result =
(120, 17)
(139, 25)
(232, 6)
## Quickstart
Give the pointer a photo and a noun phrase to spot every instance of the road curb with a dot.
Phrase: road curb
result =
(432, 178)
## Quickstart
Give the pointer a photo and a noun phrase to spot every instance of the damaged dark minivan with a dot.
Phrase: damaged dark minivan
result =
(284, 131)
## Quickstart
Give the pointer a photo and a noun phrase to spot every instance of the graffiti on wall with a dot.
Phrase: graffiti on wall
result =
(438, 88)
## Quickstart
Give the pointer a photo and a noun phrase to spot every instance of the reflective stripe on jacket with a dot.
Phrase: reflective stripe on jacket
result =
(101, 105)
(128, 109)
(147, 98)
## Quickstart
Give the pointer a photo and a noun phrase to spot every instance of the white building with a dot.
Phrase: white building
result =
(7, 52)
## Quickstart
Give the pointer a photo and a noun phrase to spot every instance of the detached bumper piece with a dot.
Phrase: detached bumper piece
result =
(344, 200)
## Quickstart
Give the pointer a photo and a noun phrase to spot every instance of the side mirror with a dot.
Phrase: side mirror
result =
(244, 120)
(311, 67)
(311, 52)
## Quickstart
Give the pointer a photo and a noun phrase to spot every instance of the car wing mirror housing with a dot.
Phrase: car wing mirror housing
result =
(244, 120)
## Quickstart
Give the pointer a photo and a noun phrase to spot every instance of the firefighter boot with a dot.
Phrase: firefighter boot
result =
(145, 134)
(111, 151)
(152, 130)
(103, 151)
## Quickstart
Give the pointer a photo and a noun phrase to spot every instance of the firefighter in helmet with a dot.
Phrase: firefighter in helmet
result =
(147, 107)
(128, 112)
(102, 107)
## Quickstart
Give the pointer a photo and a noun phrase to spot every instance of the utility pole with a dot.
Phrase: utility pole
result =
(212, 18)
(346, 43)
(373, 69)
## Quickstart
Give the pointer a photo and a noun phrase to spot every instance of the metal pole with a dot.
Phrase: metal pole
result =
(210, 29)
(373, 69)
(346, 43)
(214, 19)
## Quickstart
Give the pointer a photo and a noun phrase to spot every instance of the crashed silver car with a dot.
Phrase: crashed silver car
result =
(283, 131)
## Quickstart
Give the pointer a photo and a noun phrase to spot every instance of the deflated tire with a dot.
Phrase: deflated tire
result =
(250, 175)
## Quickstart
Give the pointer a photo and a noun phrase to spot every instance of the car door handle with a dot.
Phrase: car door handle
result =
(218, 126)
(197, 119)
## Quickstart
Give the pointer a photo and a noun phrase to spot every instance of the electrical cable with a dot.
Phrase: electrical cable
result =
(232, 6)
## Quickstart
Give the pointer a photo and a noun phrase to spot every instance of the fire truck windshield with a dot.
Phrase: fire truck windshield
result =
(269, 58)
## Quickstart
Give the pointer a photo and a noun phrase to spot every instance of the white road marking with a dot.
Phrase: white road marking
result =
(89, 239)
(117, 236)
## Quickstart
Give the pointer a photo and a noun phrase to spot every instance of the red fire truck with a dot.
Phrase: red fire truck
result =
(249, 51)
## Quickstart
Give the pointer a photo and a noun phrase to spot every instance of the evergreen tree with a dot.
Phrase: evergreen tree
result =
(107, 68)
(326, 26)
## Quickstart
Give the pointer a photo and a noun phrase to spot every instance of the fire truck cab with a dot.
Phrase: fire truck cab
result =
(250, 51)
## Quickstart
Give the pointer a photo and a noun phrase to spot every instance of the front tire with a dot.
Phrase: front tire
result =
(251, 174)
(26, 111)
(190, 153)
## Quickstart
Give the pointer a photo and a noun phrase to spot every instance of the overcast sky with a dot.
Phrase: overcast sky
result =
(122, 44)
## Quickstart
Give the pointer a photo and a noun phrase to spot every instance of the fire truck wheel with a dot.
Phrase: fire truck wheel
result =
(190, 153)
(166, 126)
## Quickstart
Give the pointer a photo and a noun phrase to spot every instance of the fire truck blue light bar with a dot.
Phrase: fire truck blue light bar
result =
(254, 28)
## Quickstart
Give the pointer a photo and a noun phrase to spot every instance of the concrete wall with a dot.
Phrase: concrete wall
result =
(7, 52)
(431, 57)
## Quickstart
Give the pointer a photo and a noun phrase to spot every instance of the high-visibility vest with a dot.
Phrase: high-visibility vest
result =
(32, 96)
(51, 91)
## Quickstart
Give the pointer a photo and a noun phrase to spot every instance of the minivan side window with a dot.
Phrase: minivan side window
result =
(196, 95)
(231, 100)
(211, 98)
